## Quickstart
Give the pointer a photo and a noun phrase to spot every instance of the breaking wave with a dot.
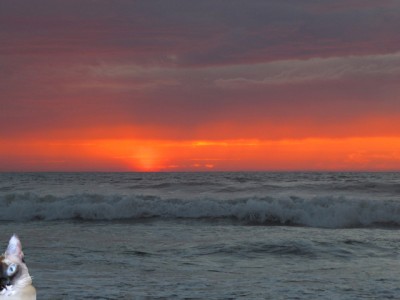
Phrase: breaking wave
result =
(328, 212)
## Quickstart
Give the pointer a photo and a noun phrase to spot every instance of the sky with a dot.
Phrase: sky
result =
(189, 85)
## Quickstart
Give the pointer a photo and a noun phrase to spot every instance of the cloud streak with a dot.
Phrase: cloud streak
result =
(314, 70)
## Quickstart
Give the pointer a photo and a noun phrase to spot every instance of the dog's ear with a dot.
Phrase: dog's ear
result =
(15, 248)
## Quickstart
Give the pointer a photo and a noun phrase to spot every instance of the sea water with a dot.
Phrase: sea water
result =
(206, 235)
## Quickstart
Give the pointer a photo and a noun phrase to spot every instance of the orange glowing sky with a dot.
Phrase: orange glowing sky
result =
(168, 86)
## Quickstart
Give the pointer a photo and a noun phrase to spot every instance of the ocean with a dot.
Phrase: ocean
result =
(288, 235)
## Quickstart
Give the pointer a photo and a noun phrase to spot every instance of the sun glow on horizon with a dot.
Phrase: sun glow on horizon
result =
(374, 153)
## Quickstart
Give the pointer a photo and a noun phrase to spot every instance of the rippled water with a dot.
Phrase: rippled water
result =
(207, 236)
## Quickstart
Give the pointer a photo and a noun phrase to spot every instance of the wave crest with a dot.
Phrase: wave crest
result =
(329, 212)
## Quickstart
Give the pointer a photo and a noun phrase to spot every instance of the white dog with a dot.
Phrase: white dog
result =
(15, 281)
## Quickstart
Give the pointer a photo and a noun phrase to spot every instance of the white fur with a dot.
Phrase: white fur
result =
(14, 248)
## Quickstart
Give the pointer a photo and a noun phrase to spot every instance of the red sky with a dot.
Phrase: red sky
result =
(99, 85)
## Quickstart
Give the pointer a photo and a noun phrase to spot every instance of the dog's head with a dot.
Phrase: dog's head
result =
(13, 270)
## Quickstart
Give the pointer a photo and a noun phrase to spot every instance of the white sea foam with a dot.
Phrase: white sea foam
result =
(330, 212)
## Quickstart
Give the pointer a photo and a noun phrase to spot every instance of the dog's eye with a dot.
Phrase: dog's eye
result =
(11, 269)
